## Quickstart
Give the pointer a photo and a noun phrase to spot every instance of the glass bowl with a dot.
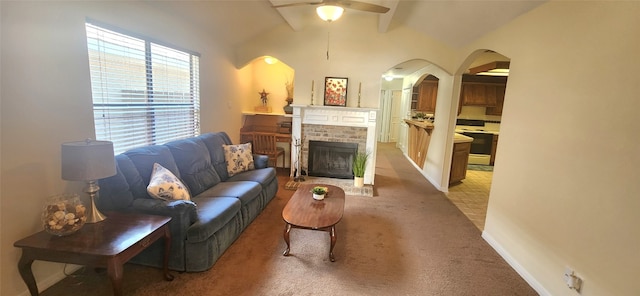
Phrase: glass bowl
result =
(63, 214)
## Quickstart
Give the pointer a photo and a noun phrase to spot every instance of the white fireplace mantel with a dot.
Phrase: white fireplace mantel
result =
(337, 116)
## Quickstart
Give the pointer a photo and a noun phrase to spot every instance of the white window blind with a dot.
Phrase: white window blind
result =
(143, 93)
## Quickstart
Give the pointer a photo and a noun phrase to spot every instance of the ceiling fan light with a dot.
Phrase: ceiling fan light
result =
(329, 13)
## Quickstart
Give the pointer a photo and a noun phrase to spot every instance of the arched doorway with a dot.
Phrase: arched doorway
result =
(484, 82)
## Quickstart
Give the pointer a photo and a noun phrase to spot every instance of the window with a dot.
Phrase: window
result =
(143, 93)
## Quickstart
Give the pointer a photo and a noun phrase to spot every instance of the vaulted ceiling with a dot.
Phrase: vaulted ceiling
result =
(455, 23)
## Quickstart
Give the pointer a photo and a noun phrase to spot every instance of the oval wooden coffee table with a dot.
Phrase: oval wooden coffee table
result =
(302, 211)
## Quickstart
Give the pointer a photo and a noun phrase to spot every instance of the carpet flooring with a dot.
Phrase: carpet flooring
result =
(407, 239)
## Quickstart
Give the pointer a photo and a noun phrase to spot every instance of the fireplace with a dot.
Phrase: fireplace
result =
(331, 159)
(337, 125)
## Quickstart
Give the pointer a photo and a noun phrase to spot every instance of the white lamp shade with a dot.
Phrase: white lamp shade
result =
(87, 160)
(329, 13)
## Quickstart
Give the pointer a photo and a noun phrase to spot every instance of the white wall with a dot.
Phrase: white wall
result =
(46, 100)
(565, 186)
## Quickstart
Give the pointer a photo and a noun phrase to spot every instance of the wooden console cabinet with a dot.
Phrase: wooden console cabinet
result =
(419, 138)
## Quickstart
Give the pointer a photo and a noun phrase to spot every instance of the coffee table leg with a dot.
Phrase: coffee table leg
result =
(287, 229)
(24, 267)
(333, 243)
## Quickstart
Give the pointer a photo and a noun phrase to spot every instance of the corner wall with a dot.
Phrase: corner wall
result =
(565, 187)
(46, 100)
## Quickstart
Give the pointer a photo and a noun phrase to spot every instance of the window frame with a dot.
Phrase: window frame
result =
(150, 101)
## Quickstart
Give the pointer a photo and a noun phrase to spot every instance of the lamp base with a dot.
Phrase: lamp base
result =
(94, 215)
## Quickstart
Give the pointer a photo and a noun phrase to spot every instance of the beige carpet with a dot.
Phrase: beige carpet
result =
(408, 239)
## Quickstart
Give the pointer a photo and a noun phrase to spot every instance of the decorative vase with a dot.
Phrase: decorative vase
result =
(358, 182)
(318, 196)
(288, 109)
(63, 214)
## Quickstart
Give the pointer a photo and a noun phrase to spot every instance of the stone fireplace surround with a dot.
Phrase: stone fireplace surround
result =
(339, 124)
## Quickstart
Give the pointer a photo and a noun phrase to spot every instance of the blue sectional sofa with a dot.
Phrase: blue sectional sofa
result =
(221, 207)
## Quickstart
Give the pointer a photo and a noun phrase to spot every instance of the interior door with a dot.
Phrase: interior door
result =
(396, 115)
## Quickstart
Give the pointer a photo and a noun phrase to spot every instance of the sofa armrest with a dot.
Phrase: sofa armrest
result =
(260, 161)
(182, 211)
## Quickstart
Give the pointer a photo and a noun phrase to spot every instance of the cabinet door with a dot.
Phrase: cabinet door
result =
(494, 146)
(497, 110)
(428, 96)
(479, 94)
(459, 162)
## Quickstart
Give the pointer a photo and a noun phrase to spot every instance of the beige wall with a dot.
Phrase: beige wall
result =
(564, 191)
(46, 100)
(565, 187)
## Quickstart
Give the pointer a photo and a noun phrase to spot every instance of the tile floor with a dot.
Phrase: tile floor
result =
(471, 196)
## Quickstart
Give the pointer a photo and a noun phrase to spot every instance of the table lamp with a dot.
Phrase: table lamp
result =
(88, 161)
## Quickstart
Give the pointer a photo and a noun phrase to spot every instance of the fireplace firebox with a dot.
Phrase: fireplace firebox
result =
(331, 159)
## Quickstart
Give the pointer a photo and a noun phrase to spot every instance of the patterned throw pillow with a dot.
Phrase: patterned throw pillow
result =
(165, 185)
(239, 158)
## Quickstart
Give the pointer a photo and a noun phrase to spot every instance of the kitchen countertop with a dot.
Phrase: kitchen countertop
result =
(420, 123)
(458, 138)
(476, 131)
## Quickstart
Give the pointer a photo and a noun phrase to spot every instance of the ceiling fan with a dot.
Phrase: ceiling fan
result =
(351, 4)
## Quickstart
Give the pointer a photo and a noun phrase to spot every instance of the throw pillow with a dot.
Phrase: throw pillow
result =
(166, 186)
(239, 158)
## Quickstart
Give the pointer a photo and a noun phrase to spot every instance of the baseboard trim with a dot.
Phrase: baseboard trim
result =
(51, 280)
(530, 279)
(433, 182)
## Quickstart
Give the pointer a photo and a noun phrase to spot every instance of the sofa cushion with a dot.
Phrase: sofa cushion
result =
(214, 142)
(245, 191)
(166, 186)
(239, 158)
(116, 192)
(144, 157)
(263, 176)
(194, 163)
(213, 214)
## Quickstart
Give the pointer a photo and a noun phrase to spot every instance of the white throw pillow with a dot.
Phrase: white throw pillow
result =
(166, 186)
(239, 158)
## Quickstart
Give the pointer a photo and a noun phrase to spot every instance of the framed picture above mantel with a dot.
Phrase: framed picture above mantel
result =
(335, 91)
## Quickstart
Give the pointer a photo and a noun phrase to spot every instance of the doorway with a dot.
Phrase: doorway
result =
(481, 100)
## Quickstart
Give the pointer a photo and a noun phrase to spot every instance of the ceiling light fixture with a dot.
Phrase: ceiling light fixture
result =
(492, 69)
(270, 60)
(388, 77)
(329, 13)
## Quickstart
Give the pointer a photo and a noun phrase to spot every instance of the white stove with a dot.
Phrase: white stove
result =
(482, 135)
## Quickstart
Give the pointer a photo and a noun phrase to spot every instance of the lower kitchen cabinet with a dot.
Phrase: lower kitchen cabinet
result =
(459, 162)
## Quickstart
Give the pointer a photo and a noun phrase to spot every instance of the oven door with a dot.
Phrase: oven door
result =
(481, 142)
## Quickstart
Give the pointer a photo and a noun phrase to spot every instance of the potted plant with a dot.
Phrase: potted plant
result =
(319, 192)
(359, 166)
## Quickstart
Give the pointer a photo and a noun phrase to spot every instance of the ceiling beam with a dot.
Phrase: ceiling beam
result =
(384, 20)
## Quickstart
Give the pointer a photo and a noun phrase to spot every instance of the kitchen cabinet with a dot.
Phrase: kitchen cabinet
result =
(497, 109)
(459, 162)
(494, 146)
(427, 96)
(484, 91)
(478, 94)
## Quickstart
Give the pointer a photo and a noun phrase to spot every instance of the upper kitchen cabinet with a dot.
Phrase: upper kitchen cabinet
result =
(483, 91)
(427, 95)
(497, 110)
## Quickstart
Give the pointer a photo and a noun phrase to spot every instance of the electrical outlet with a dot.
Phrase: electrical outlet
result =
(572, 280)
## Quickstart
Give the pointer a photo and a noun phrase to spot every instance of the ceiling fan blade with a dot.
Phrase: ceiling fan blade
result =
(298, 4)
(357, 5)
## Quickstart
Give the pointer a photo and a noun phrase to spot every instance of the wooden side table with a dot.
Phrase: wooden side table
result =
(108, 244)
